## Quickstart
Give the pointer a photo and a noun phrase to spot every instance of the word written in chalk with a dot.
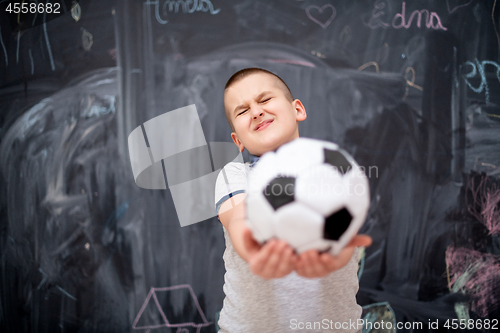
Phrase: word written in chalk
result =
(478, 68)
(174, 6)
(400, 20)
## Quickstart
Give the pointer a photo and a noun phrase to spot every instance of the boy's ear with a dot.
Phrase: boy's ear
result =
(237, 142)
(300, 110)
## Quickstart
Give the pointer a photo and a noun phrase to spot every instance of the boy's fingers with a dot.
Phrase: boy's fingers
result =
(290, 259)
(319, 268)
(261, 257)
(307, 268)
(274, 258)
(328, 261)
(342, 258)
(360, 240)
(301, 265)
(287, 262)
(263, 260)
(312, 264)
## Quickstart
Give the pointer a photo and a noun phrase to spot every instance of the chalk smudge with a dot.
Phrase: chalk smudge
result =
(475, 274)
(483, 201)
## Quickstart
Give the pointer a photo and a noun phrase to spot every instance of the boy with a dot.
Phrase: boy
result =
(269, 288)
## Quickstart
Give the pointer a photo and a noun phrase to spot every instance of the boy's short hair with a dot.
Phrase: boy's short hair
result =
(241, 74)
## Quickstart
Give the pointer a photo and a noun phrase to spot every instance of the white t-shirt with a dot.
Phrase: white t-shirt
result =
(292, 303)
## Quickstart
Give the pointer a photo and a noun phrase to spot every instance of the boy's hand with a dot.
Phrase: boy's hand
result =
(274, 259)
(311, 264)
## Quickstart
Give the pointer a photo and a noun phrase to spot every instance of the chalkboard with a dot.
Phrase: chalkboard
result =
(410, 89)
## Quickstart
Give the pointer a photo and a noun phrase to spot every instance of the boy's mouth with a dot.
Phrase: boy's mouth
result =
(263, 125)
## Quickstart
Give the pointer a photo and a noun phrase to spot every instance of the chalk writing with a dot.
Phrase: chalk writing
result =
(452, 7)
(383, 54)
(96, 106)
(17, 48)
(32, 63)
(368, 64)
(166, 323)
(345, 35)
(375, 21)
(66, 293)
(315, 13)
(378, 313)
(478, 67)
(472, 272)
(432, 20)
(4, 50)
(87, 39)
(318, 54)
(410, 82)
(494, 23)
(49, 49)
(485, 200)
(30, 54)
(429, 21)
(76, 11)
(295, 62)
(188, 6)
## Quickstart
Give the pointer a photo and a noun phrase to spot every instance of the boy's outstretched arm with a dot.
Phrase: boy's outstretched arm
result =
(312, 264)
(274, 259)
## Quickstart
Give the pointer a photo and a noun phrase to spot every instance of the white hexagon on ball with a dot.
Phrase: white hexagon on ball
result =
(261, 218)
(298, 225)
(300, 154)
(321, 187)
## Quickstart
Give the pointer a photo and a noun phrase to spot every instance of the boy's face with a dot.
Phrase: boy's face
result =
(263, 117)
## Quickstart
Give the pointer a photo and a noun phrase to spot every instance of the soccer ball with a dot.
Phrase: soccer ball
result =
(310, 193)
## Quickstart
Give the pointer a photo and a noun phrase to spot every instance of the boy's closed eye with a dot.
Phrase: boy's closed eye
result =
(263, 101)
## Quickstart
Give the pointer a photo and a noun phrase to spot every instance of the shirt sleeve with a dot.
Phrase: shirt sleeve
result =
(232, 180)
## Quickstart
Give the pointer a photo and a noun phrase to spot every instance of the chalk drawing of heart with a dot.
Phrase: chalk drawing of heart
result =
(455, 4)
(316, 15)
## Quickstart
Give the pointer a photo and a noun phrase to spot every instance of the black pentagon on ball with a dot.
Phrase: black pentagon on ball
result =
(336, 224)
(336, 159)
(280, 191)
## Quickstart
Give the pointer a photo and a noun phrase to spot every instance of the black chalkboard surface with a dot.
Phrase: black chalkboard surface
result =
(410, 89)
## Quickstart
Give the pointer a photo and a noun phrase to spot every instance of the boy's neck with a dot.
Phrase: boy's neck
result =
(253, 158)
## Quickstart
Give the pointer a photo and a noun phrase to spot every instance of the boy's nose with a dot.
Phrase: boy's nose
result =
(257, 115)
(257, 112)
